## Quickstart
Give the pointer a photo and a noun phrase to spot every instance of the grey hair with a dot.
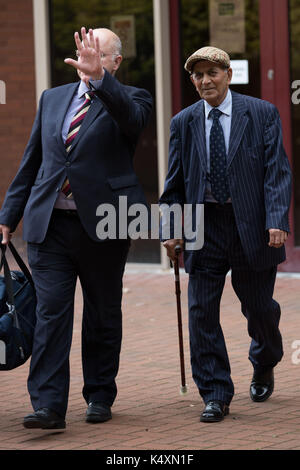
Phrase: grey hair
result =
(117, 45)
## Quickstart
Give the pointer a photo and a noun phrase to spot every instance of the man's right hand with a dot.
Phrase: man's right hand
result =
(6, 235)
(170, 247)
(89, 62)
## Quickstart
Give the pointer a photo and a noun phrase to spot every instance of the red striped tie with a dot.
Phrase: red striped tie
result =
(73, 131)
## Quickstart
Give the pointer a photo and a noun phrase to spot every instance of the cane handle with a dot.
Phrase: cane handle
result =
(177, 249)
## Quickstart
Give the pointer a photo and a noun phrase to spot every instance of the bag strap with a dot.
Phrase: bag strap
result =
(21, 263)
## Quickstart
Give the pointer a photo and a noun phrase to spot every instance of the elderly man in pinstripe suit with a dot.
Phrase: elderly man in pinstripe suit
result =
(226, 151)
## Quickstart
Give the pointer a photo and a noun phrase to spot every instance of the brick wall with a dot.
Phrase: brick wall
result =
(17, 71)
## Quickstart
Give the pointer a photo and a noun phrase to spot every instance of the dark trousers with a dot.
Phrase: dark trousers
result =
(221, 252)
(67, 254)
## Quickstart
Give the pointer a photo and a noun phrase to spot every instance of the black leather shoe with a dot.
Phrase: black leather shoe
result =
(214, 411)
(44, 419)
(262, 385)
(97, 412)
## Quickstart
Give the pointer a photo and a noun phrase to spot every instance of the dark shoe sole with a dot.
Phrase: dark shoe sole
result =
(97, 419)
(214, 419)
(38, 424)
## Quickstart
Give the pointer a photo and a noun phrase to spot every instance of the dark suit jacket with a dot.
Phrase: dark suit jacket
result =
(99, 165)
(258, 172)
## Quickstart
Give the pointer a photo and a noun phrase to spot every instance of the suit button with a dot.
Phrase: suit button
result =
(68, 163)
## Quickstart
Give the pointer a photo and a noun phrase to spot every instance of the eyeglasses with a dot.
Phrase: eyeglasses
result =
(102, 55)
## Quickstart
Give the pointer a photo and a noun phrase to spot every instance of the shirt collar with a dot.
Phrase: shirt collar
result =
(225, 106)
(83, 88)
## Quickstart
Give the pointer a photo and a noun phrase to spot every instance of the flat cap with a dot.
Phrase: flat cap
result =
(212, 54)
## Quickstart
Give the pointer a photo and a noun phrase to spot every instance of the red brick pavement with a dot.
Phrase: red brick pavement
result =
(149, 412)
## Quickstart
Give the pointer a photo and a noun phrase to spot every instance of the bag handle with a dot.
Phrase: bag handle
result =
(18, 259)
(21, 263)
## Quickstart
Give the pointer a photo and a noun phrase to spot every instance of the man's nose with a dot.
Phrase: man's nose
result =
(205, 79)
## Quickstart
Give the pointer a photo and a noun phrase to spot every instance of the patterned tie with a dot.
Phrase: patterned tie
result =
(73, 131)
(219, 184)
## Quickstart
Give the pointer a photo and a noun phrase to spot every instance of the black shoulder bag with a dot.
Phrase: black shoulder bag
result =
(17, 312)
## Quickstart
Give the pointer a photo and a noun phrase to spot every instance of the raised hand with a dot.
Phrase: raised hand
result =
(89, 63)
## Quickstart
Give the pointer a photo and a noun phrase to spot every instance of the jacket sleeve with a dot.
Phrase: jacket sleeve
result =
(277, 181)
(131, 110)
(173, 197)
(20, 188)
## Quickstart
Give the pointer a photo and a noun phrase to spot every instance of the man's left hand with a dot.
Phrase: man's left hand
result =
(89, 63)
(277, 237)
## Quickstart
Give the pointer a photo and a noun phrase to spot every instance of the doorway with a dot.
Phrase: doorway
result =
(232, 26)
(133, 22)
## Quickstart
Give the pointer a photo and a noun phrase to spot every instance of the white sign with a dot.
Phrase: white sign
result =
(240, 72)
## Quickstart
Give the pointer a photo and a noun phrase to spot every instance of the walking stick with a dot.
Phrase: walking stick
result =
(183, 388)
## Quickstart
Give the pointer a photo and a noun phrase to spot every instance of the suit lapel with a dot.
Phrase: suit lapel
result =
(198, 129)
(95, 108)
(62, 108)
(239, 122)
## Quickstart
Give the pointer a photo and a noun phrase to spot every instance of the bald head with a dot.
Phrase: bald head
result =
(108, 40)
(110, 47)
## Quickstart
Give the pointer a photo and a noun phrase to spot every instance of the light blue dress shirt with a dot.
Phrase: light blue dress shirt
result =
(225, 121)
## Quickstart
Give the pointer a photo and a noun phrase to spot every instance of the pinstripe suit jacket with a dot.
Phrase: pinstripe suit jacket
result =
(258, 173)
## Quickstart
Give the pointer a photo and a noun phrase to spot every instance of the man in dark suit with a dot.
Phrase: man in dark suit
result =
(79, 156)
(226, 152)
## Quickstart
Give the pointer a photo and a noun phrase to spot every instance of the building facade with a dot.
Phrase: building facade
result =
(261, 36)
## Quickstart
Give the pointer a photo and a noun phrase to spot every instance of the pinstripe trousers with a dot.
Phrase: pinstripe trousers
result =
(221, 252)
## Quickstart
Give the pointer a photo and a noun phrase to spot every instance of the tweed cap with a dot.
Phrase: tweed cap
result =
(212, 54)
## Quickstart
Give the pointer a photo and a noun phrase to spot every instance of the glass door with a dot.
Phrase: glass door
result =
(294, 21)
(133, 22)
(232, 26)
(265, 34)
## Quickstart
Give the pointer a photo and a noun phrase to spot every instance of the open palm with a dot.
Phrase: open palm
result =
(88, 51)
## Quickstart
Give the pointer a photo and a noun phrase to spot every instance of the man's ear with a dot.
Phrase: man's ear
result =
(229, 73)
(117, 63)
